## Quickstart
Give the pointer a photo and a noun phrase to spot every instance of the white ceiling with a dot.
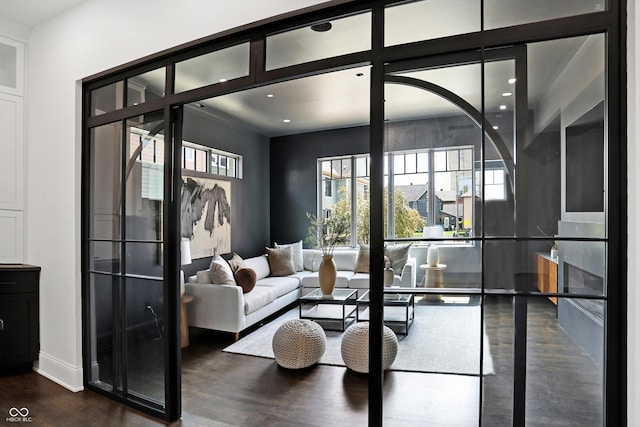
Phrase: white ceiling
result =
(34, 12)
(341, 99)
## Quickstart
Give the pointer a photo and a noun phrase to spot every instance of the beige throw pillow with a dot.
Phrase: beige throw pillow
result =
(362, 262)
(298, 261)
(281, 261)
(220, 272)
(236, 263)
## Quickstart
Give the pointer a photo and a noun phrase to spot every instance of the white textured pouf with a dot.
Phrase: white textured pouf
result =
(298, 344)
(355, 347)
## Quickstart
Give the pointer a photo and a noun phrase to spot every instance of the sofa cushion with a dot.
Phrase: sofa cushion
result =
(281, 261)
(359, 281)
(245, 278)
(258, 298)
(345, 259)
(298, 262)
(282, 285)
(310, 259)
(260, 265)
(220, 272)
(342, 280)
(203, 276)
(398, 255)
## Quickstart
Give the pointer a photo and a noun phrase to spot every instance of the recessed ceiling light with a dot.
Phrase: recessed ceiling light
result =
(223, 80)
(269, 95)
(507, 93)
(512, 81)
(360, 74)
(287, 121)
(321, 27)
(496, 127)
(503, 107)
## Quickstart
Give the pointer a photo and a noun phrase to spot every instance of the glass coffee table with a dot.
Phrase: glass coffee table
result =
(328, 310)
(398, 310)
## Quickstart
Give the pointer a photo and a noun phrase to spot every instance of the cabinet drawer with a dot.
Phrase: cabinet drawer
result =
(19, 281)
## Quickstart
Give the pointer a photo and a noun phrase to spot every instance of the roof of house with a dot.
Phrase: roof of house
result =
(413, 192)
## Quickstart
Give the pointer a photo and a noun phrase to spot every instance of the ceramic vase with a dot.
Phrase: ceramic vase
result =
(433, 258)
(327, 273)
(388, 275)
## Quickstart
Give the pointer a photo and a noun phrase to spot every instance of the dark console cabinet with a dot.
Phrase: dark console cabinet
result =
(19, 317)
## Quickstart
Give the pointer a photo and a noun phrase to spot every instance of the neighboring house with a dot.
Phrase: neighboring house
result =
(416, 197)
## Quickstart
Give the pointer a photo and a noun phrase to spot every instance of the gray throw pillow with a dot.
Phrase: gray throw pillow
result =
(280, 261)
(398, 256)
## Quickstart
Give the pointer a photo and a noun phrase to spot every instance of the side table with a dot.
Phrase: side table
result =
(435, 272)
(184, 324)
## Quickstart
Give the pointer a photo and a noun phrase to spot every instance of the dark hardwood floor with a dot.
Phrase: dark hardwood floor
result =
(564, 388)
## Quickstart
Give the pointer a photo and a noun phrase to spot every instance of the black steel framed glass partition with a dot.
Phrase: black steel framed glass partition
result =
(515, 128)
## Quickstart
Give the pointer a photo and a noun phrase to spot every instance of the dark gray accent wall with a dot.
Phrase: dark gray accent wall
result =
(294, 162)
(250, 196)
(294, 175)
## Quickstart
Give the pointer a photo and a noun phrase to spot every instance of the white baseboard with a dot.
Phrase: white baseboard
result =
(59, 371)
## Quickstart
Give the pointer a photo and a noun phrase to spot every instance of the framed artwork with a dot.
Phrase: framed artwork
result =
(205, 214)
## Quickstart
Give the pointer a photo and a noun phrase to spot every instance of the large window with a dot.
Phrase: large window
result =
(209, 160)
(431, 188)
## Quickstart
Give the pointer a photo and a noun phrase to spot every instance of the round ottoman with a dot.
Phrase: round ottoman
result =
(298, 344)
(355, 347)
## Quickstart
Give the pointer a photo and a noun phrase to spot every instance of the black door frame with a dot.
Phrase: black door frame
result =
(612, 22)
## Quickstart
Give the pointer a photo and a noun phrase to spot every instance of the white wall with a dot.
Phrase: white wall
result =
(633, 116)
(92, 37)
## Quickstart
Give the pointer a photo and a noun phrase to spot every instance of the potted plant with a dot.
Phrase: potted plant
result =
(327, 233)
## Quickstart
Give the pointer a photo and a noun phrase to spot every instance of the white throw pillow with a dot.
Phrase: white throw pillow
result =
(220, 272)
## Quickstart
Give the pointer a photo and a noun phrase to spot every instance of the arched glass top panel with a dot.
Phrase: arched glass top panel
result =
(413, 21)
(146, 86)
(213, 67)
(430, 19)
(325, 39)
(499, 13)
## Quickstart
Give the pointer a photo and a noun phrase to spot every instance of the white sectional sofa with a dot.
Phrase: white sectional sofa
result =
(227, 308)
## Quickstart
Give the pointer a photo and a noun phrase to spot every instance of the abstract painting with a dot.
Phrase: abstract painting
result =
(205, 213)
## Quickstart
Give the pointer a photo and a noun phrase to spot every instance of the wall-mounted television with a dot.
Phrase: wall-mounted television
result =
(585, 162)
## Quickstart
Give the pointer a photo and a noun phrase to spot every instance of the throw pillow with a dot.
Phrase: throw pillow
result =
(362, 262)
(281, 261)
(398, 256)
(236, 262)
(220, 272)
(298, 262)
(245, 278)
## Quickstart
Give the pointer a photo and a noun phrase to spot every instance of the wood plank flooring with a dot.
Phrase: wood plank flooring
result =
(222, 389)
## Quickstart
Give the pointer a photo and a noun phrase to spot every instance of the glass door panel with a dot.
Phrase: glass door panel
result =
(126, 272)
(143, 286)
(433, 141)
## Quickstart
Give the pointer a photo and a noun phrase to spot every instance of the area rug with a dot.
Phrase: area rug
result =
(442, 339)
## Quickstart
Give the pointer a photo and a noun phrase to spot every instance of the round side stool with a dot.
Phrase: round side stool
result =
(298, 344)
(355, 347)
